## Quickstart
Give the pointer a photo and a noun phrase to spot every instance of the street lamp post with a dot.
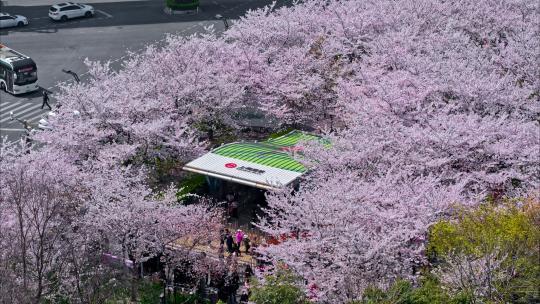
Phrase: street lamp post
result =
(75, 76)
(219, 17)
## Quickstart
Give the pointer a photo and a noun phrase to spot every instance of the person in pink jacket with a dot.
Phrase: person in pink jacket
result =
(239, 237)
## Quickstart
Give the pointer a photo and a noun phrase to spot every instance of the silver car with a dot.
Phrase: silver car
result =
(7, 20)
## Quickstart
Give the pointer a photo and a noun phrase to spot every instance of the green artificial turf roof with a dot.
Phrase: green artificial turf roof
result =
(272, 152)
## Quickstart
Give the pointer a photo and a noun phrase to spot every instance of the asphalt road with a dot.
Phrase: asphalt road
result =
(118, 26)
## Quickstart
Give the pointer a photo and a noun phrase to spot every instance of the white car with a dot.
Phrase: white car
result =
(7, 20)
(68, 10)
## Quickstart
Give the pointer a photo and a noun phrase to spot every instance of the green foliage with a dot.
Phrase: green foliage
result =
(483, 229)
(511, 228)
(509, 231)
(224, 138)
(403, 292)
(182, 4)
(217, 132)
(163, 167)
(149, 292)
(190, 184)
(280, 133)
(279, 288)
(187, 299)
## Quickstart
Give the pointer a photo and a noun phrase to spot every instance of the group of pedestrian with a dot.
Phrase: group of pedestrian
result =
(235, 241)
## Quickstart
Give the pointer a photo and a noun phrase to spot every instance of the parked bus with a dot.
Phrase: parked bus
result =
(18, 72)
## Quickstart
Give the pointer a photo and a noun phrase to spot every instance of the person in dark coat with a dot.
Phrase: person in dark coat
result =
(244, 296)
(245, 240)
(46, 100)
(248, 272)
(223, 236)
(229, 242)
(232, 283)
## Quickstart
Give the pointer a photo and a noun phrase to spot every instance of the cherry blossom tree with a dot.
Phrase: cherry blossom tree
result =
(430, 103)
(40, 197)
(441, 109)
(60, 218)
(141, 228)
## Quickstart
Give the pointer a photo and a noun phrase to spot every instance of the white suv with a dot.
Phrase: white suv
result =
(7, 20)
(68, 10)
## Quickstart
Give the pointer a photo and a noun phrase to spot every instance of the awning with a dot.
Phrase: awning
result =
(265, 165)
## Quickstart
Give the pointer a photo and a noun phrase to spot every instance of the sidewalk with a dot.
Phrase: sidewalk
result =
(212, 250)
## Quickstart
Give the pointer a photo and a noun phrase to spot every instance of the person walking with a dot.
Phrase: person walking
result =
(238, 240)
(246, 243)
(222, 239)
(234, 209)
(223, 236)
(229, 242)
(46, 100)
(232, 284)
(244, 294)
(248, 272)
(239, 237)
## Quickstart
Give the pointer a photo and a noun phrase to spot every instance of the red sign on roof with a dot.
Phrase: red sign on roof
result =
(230, 165)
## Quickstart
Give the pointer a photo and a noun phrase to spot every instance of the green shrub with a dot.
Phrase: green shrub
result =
(507, 233)
(279, 288)
(149, 292)
(190, 184)
(403, 292)
(501, 241)
(182, 4)
(280, 133)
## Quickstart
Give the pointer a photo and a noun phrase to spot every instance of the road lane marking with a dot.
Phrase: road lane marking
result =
(14, 106)
(19, 114)
(106, 14)
(53, 26)
(31, 117)
(12, 130)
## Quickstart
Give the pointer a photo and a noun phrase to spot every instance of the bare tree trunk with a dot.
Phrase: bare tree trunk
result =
(23, 250)
(210, 134)
(133, 287)
(134, 278)
(77, 273)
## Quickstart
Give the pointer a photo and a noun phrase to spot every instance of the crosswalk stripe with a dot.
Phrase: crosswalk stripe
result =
(31, 117)
(8, 129)
(13, 106)
(19, 114)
